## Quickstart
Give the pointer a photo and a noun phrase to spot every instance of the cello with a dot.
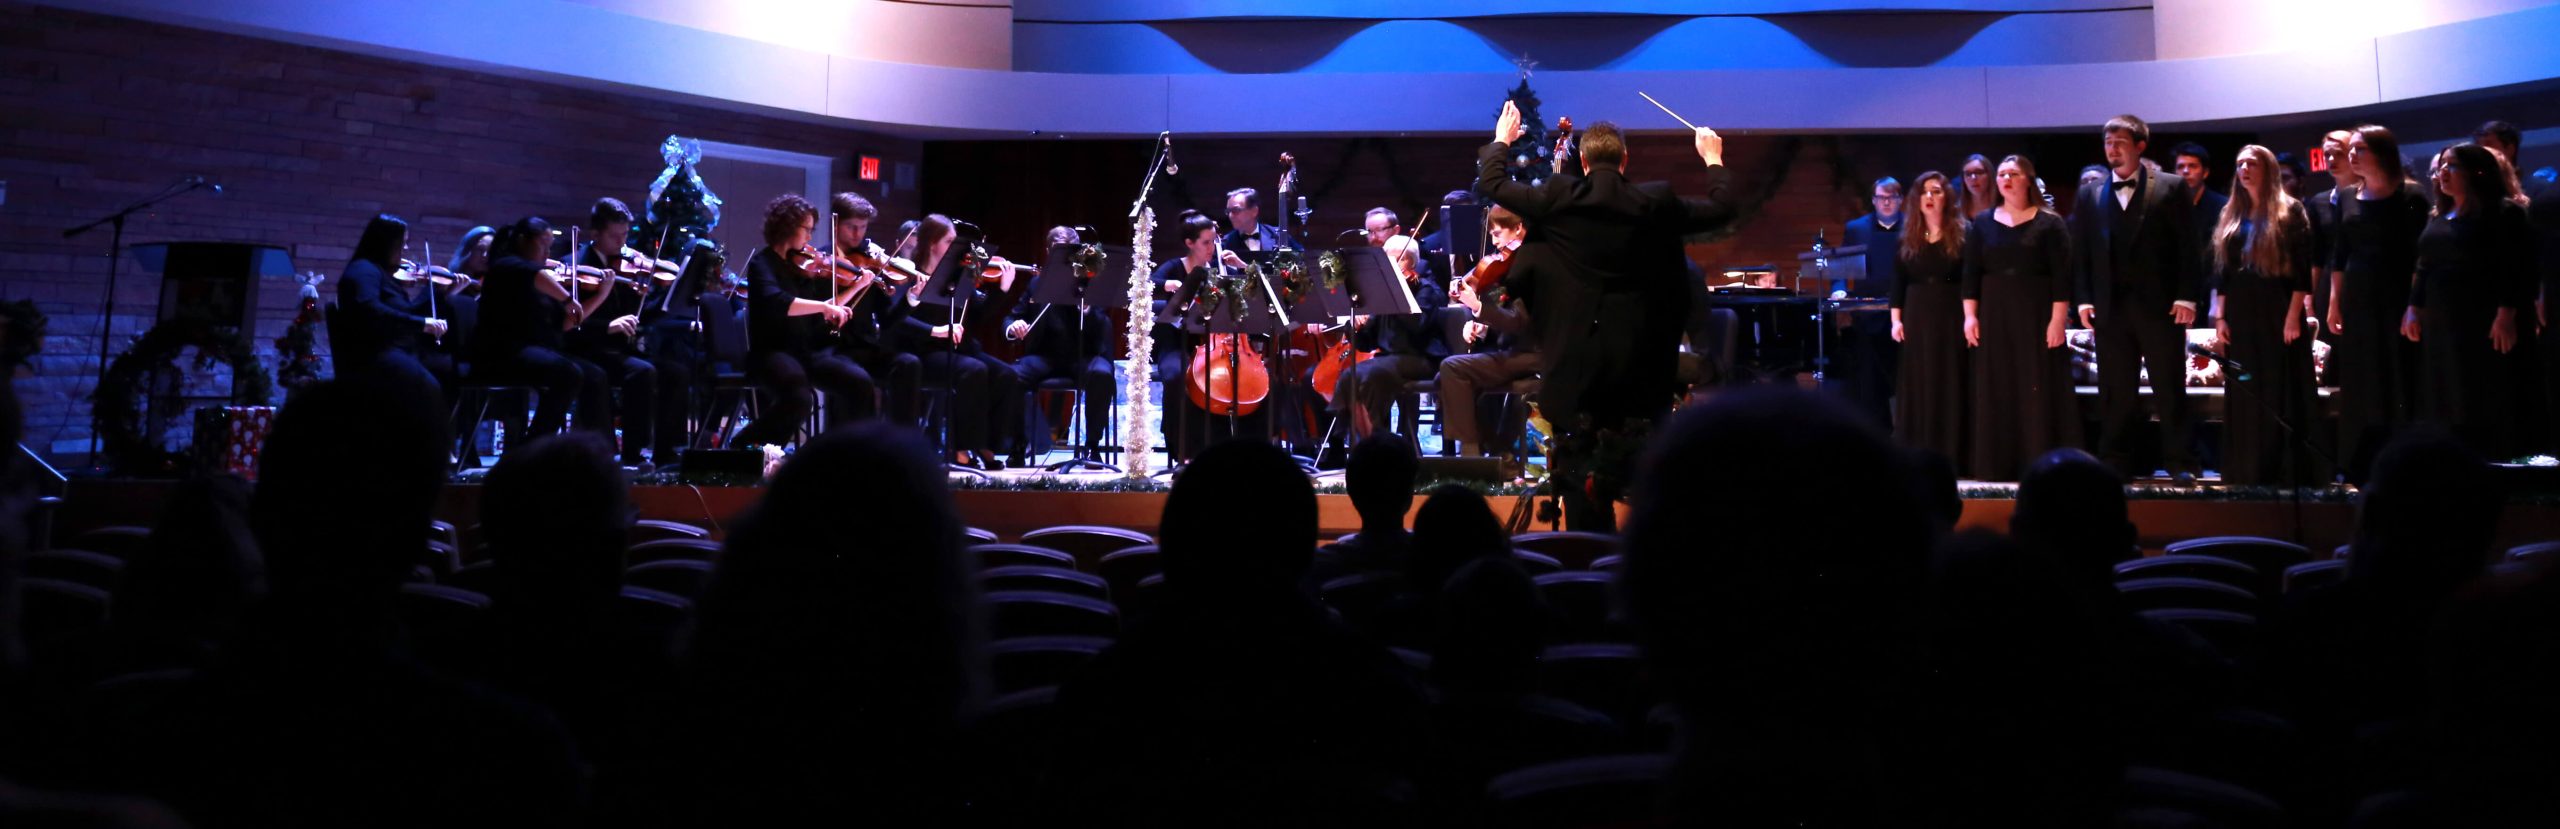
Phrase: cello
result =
(1227, 374)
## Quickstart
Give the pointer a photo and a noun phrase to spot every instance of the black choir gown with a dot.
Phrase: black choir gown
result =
(2469, 267)
(2256, 449)
(1933, 385)
(2022, 395)
(2374, 368)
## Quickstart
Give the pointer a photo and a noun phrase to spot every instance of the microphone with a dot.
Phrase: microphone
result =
(1345, 235)
(199, 181)
(2232, 370)
(1170, 168)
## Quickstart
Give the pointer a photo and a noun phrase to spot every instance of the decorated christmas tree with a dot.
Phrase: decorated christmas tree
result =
(681, 207)
(1530, 163)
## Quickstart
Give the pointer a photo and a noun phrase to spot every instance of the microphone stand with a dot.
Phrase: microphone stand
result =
(2297, 443)
(115, 261)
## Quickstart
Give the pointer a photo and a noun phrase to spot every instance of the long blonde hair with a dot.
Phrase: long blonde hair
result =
(1951, 218)
(2270, 225)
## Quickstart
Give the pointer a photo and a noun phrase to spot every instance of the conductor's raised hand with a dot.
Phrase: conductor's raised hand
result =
(1508, 128)
(1710, 147)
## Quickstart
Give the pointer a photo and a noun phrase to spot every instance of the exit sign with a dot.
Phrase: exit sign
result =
(870, 168)
(2319, 160)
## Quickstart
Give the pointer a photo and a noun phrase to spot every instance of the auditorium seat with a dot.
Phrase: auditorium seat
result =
(2209, 568)
(1586, 604)
(53, 611)
(654, 617)
(480, 577)
(677, 576)
(1607, 677)
(1611, 790)
(1576, 550)
(991, 556)
(2525, 551)
(1014, 735)
(1538, 563)
(702, 549)
(97, 570)
(440, 620)
(1033, 661)
(1087, 543)
(1018, 613)
(1363, 599)
(651, 529)
(441, 557)
(2268, 555)
(2313, 574)
(444, 531)
(1608, 563)
(421, 574)
(1123, 568)
(978, 536)
(1043, 577)
(2160, 797)
(2233, 633)
(2186, 593)
(123, 542)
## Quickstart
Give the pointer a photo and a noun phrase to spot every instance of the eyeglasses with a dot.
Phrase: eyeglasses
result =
(1239, 209)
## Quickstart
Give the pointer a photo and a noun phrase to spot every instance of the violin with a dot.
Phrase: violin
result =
(1491, 270)
(412, 272)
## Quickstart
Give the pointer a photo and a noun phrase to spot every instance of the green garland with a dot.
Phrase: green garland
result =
(115, 410)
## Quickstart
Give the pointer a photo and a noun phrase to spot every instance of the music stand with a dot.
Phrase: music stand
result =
(1375, 291)
(1060, 286)
(945, 288)
(1853, 261)
(1464, 223)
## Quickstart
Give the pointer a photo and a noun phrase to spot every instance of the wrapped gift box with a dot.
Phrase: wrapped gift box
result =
(230, 438)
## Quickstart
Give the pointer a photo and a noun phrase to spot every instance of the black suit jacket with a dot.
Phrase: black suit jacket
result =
(2162, 259)
(1884, 249)
(1591, 237)
(1054, 336)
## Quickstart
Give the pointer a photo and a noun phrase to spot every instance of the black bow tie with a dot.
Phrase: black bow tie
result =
(2126, 184)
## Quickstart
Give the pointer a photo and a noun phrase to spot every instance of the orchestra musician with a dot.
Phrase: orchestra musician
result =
(525, 310)
(985, 392)
(1244, 211)
(1062, 342)
(1408, 347)
(383, 323)
(1188, 427)
(654, 411)
(1500, 353)
(900, 375)
(788, 317)
(1381, 225)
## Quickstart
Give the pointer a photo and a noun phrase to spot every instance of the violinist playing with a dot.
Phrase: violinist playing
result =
(1500, 352)
(986, 396)
(789, 315)
(874, 308)
(1407, 347)
(383, 321)
(526, 307)
(1056, 343)
(616, 280)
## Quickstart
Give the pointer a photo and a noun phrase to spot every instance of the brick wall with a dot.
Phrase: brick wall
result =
(96, 112)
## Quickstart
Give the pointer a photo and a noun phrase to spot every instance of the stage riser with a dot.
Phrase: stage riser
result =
(1009, 514)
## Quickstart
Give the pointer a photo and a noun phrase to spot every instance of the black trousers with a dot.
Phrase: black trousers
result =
(791, 383)
(898, 375)
(642, 414)
(1376, 384)
(2131, 335)
(1094, 380)
(558, 380)
(676, 349)
(985, 396)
